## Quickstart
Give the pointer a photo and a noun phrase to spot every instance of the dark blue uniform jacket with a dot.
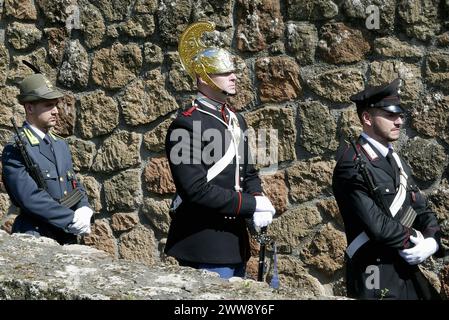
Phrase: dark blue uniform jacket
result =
(40, 211)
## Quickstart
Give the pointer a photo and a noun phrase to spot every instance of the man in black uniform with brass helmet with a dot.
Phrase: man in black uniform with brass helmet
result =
(389, 227)
(38, 171)
(217, 186)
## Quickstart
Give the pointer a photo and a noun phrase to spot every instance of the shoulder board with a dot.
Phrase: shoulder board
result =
(30, 136)
(55, 136)
(372, 155)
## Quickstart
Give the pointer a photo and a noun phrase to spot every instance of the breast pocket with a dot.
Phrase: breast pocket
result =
(52, 182)
(388, 191)
(49, 174)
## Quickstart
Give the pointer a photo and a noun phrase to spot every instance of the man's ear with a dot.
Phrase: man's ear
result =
(367, 118)
(28, 108)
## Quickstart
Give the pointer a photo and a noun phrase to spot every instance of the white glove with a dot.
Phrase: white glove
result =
(262, 219)
(418, 235)
(86, 215)
(81, 221)
(423, 249)
(263, 204)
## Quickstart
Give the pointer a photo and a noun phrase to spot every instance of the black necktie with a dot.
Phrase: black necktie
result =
(48, 142)
(393, 163)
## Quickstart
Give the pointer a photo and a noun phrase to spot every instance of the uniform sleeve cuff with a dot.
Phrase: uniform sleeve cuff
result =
(248, 205)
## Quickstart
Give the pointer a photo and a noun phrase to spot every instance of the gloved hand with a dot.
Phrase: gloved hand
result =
(86, 215)
(263, 204)
(262, 219)
(77, 227)
(423, 249)
(418, 235)
(81, 221)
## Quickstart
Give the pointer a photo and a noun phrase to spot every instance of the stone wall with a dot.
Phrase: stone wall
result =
(38, 268)
(298, 63)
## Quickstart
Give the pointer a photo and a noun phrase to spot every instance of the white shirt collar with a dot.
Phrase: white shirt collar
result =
(379, 146)
(36, 130)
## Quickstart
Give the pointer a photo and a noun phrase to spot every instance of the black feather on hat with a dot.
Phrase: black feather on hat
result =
(32, 67)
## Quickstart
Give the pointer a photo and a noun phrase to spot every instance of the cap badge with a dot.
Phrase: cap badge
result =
(48, 83)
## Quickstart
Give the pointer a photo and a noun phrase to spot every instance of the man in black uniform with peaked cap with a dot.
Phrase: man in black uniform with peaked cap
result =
(390, 234)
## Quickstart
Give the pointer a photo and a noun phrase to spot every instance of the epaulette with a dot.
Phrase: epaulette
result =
(55, 136)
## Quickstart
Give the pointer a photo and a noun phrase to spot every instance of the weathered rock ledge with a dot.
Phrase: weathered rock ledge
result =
(39, 268)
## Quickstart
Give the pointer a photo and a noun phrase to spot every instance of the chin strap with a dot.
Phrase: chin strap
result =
(228, 94)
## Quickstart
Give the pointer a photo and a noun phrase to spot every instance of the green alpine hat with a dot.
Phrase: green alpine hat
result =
(37, 87)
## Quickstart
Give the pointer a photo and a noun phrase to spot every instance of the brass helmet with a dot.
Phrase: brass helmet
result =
(200, 60)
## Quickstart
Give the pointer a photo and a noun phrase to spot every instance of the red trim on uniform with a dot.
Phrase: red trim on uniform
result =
(227, 105)
(240, 204)
(358, 147)
(256, 193)
(223, 114)
(413, 196)
(188, 112)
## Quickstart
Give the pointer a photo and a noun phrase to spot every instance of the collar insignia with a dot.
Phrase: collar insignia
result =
(372, 155)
